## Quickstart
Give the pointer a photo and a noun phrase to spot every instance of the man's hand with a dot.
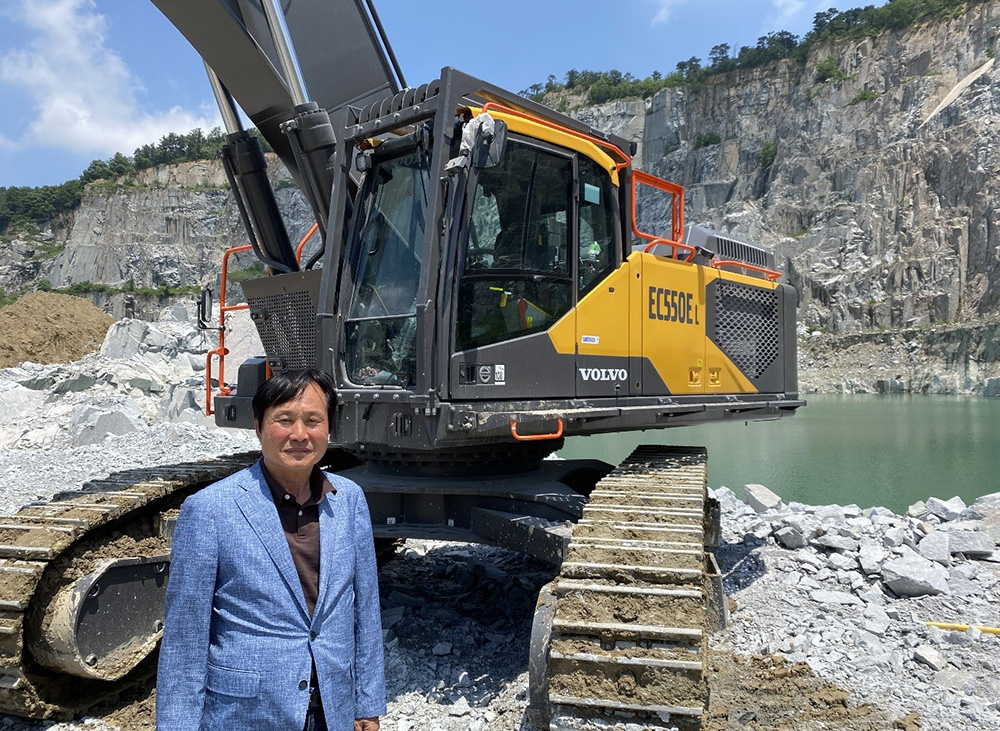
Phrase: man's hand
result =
(366, 724)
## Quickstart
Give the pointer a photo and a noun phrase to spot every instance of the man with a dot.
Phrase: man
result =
(272, 610)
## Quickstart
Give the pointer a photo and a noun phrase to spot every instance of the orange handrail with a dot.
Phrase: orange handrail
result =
(221, 350)
(676, 214)
(302, 243)
(770, 274)
(535, 437)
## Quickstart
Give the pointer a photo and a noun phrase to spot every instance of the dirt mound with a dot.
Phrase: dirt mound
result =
(45, 327)
(769, 694)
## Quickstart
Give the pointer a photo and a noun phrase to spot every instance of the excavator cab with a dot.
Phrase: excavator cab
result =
(492, 282)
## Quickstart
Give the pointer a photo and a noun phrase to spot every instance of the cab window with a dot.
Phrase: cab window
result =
(516, 277)
(597, 225)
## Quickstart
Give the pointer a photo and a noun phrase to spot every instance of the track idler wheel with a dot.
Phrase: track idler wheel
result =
(103, 625)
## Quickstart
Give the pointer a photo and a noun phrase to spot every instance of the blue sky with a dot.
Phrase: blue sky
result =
(83, 79)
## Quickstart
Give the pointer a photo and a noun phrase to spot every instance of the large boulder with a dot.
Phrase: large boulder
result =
(914, 575)
(935, 547)
(761, 499)
(946, 509)
(971, 543)
(988, 506)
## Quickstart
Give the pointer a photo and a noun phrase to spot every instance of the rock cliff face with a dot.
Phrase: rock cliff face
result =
(881, 202)
(948, 359)
(165, 226)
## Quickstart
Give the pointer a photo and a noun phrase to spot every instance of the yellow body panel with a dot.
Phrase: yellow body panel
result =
(654, 309)
(671, 295)
(600, 326)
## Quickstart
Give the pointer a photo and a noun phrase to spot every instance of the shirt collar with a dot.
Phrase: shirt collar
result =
(319, 486)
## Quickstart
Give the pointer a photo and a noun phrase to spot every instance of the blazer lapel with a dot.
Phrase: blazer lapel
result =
(257, 506)
(333, 532)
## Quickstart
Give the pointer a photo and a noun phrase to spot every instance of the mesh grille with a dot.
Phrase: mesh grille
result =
(286, 323)
(747, 326)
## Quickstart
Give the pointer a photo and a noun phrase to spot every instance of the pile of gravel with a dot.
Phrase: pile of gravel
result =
(48, 327)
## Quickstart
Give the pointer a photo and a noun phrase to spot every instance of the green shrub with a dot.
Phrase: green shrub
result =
(704, 139)
(49, 251)
(828, 69)
(254, 271)
(863, 96)
(164, 290)
(767, 154)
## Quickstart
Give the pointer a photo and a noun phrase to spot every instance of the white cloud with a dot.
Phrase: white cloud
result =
(84, 94)
(786, 11)
(663, 8)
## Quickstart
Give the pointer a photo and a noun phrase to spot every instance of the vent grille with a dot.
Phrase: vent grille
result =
(286, 322)
(725, 247)
(737, 250)
(747, 326)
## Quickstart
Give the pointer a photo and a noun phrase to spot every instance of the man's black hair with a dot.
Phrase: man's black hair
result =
(283, 387)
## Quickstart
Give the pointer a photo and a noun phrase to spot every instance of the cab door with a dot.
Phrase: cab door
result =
(515, 281)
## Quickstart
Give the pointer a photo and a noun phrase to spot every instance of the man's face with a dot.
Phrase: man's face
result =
(294, 435)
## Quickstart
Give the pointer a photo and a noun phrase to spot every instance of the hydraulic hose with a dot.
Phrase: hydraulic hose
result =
(964, 627)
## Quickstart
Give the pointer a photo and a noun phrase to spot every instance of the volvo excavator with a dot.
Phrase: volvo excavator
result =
(492, 277)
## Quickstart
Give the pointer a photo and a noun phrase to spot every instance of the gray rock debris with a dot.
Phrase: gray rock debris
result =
(761, 499)
(857, 613)
(930, 657)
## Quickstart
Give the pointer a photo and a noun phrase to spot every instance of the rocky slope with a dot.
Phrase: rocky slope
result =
(882, 199)
(162, 227)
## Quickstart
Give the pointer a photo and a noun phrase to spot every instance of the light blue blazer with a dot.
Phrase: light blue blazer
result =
(238, 642)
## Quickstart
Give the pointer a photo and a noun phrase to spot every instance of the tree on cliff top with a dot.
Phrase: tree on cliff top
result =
(24, 209)
(829, 24)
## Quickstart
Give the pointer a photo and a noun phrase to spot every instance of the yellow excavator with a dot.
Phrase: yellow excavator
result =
(493, 276)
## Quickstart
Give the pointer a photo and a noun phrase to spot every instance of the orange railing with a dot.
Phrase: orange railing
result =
(221, 351)
(676, 215)
(769, 274)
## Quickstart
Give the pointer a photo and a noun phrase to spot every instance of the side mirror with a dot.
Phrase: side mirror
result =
(490, 150)
(205, 310)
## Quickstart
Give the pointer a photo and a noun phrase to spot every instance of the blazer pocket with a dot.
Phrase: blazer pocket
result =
(237, 683)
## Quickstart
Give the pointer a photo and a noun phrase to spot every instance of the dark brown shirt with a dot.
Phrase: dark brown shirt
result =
(301, 524)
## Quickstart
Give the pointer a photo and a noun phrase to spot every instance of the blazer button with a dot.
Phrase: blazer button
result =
(313, 635)
(303, 684)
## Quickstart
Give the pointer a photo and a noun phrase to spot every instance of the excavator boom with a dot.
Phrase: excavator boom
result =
(348, 61)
